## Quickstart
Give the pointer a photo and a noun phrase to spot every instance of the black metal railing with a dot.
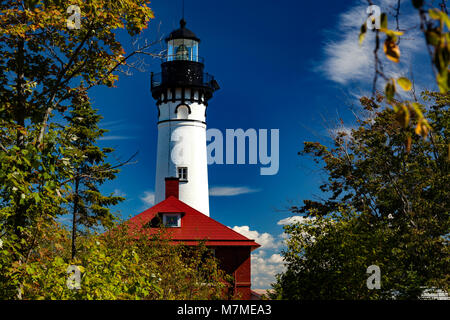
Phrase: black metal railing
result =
(156, 79)
(204, 79)
(188, 57)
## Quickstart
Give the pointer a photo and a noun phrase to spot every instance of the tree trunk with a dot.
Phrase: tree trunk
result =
(74, 217)
(19, 218)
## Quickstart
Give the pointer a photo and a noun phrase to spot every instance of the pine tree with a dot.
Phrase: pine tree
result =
(90, 169)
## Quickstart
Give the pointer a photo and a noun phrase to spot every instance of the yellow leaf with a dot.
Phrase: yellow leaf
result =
(391, 50)
(390, 90)
(404, 83)
(417, 110)
(422, 128)
(402, 116)
(434, 14)
(418, 129)
(391, 32)
(361, 38)
(442, 81)
(446, 20)
(362, 34)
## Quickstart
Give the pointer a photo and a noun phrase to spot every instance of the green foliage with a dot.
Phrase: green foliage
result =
(88, 169)
(328, 257)
(119, 264)
(387, 205)
(45, 68)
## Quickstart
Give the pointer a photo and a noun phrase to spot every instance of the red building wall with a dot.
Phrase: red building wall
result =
(236, 261)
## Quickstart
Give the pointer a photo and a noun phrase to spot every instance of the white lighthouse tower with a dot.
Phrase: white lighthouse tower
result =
(182, 91)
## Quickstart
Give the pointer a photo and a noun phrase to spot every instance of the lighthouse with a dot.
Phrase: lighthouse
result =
(182, 90)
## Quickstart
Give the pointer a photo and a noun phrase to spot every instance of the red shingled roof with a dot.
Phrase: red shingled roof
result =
(195, 226)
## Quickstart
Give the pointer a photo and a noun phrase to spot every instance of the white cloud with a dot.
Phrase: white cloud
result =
(266, 240)
(120, 128)
(275, 258)
(295, 219)
(345, 61)
(230, 191)
(264, 269)
(114, 124)
(266, 261)
(148, 198)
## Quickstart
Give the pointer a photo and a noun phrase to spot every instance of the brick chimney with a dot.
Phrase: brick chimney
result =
(172, 187)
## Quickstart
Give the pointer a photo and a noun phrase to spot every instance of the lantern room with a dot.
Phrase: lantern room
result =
(182, 69)
(182, 44)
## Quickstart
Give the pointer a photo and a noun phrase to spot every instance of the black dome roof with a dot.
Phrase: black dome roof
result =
(182, 33)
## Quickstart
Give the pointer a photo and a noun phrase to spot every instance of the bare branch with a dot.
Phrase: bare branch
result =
(91, 177)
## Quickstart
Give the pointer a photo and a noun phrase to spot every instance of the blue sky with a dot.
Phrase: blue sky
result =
(290, 65)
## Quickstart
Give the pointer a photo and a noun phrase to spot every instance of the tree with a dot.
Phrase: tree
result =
(435, 27)
(121, 264)
(89, 208)
(43, 66)
(327, 258)
(386, 204)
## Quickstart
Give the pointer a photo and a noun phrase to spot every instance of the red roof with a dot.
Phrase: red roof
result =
(195, 226)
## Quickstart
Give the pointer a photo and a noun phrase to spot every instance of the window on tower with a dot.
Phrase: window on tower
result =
(182, 111)
(183, 174)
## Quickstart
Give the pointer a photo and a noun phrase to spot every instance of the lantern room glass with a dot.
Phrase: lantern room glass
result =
(182, 49)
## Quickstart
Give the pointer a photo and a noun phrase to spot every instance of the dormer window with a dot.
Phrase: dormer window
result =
(183, 174)
(172, 220)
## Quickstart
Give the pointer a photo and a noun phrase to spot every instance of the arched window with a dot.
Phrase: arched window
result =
(182, 111)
